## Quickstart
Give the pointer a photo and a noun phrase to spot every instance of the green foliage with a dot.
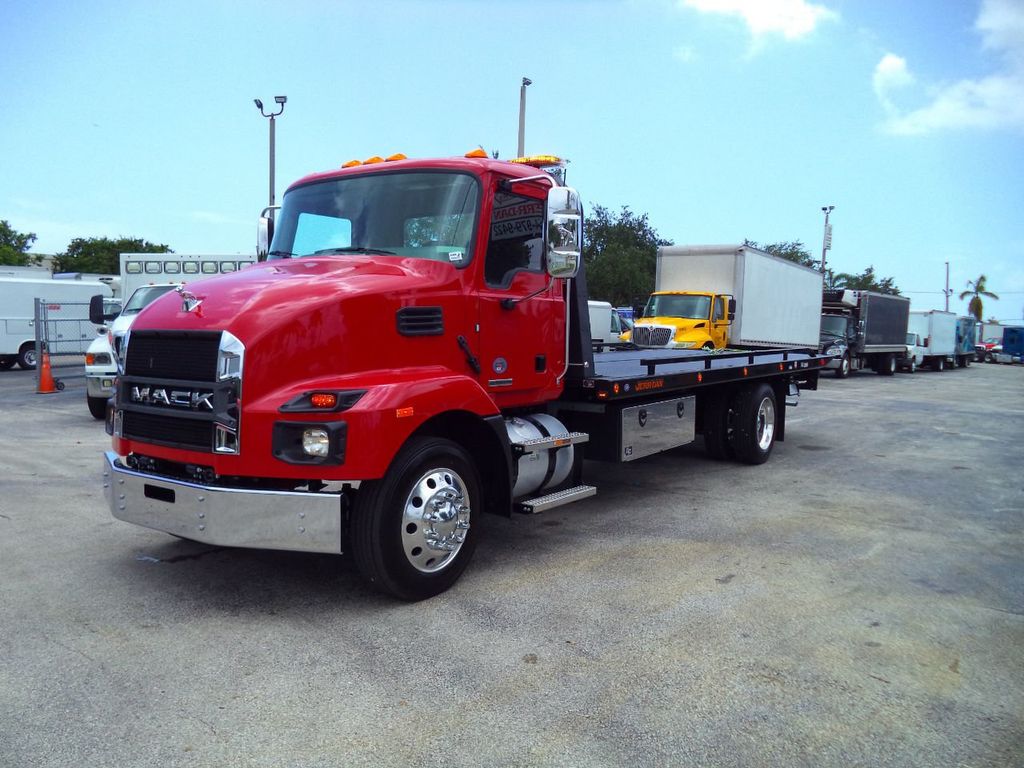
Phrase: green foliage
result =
(620, 253)
(100, 255)
(14, 246)
(976, 289)
(865, 281)
(794, 251)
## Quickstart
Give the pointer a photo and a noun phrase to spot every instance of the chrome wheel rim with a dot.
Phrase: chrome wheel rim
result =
(435, 520)
(765, 424)
(30, 357)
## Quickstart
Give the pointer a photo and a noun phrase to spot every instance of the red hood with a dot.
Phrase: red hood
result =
(312, 315)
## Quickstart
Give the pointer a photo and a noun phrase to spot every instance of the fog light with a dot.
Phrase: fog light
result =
(316, 442)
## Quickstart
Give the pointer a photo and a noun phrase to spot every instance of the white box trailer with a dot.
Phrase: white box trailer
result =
(937, 331)
(17, 316)
(778, 302)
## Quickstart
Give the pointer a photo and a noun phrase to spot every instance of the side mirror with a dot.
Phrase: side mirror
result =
(732, 310)
(564, 232)
(96, 314)
(265, 232)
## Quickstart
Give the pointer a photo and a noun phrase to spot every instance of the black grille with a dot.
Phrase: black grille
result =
(651, 336)
(192, 433)
(420, 321)
(173, 355)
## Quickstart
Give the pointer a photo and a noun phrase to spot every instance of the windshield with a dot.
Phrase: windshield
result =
(912, 339)
(833, 325)
(145, 296)
(427, 215)
(691, 307)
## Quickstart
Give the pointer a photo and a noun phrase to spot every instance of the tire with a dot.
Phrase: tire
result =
(27, 357)
(395, 550)
(887, 365)
(7, 361)
(708, 346)
(844, 367)
(938, 365)
(912, 368)
(719, 418)
(989, 358)
(97, 407)
(756, 421)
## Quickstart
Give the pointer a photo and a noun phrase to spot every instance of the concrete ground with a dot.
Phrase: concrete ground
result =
(857, 601)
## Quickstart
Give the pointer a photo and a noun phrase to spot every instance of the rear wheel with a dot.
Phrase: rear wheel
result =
(756, 420)
(886, 366)
(411, 533)
(97, 406)
(27, 357)
(938, 364)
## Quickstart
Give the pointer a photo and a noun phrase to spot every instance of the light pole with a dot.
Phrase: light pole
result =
(280, 100)
(522, 116)
(826, 240)
(948, 291)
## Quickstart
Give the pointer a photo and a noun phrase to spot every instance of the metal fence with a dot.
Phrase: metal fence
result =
(64, 331)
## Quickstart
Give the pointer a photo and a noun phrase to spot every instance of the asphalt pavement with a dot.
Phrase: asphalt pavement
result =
(858, 600)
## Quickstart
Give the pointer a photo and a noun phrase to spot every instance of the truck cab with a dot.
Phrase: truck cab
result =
(684, 320)
(838, 334)
(913, 357)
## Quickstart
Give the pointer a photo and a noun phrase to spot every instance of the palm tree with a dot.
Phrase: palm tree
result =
(976, 289)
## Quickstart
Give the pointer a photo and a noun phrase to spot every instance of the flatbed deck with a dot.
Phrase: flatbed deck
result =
(628, 371)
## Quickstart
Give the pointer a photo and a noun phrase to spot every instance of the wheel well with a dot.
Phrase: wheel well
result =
(485, 440)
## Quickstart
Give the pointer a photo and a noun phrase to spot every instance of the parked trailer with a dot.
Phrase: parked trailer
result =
(966, 341)
(17, 322)
(396, 388)
(937, 331)
(1012, 348)
(862, 329)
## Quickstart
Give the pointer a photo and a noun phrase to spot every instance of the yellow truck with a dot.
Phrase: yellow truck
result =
(717, 296)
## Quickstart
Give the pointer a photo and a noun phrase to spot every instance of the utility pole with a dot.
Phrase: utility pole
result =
(826, 240)
(948, 292)
(522, 116)
(280, 100)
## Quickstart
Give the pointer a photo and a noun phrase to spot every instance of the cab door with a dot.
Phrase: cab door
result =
(720, 321)
(521, 328)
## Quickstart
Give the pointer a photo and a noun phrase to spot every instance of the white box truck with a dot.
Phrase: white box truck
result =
(937, 333)
(17, 316)
(717, 296)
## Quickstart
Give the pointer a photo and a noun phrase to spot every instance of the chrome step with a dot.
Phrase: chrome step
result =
(552, 441)
(556, 499)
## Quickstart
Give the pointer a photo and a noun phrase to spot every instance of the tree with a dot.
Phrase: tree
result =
(14, 246)
(101, 255)
(866, 281)
(976, 289)
(620, 253)
(794, 251)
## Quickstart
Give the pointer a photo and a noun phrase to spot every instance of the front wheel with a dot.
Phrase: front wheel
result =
(411, 531)
(756, 422)
(844, 367)
(97, 406)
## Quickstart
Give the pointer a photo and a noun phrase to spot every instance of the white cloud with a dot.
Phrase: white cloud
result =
(992, 102)
(792, 19)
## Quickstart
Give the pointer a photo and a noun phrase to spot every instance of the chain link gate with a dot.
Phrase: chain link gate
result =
(63, 330)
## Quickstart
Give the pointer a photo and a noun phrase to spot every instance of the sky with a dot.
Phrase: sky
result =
(722, 120)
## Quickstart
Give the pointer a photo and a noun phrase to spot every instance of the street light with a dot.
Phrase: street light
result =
(280, 101)
(826, 240)
(522, 116)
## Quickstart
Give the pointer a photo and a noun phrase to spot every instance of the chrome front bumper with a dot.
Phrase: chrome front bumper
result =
(292, 520)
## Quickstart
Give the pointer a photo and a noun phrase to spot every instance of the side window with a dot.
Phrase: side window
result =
(516, 238)
(719, 312)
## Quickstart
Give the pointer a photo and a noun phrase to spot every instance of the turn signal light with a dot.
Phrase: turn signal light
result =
(351, 164)
(323, 400)
(478, 152)
(373, 160)
(90, 359)
(397, 156)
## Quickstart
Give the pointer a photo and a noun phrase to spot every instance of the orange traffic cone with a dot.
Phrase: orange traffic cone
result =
(46, 383)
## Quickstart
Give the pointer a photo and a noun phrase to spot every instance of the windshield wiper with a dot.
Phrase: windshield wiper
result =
(281, 253)
(355, 249)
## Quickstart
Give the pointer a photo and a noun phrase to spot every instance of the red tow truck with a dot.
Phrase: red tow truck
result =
(413, 352)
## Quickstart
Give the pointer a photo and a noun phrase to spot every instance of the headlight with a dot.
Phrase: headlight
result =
(316, 442)
(686, 344)
(836, 350)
